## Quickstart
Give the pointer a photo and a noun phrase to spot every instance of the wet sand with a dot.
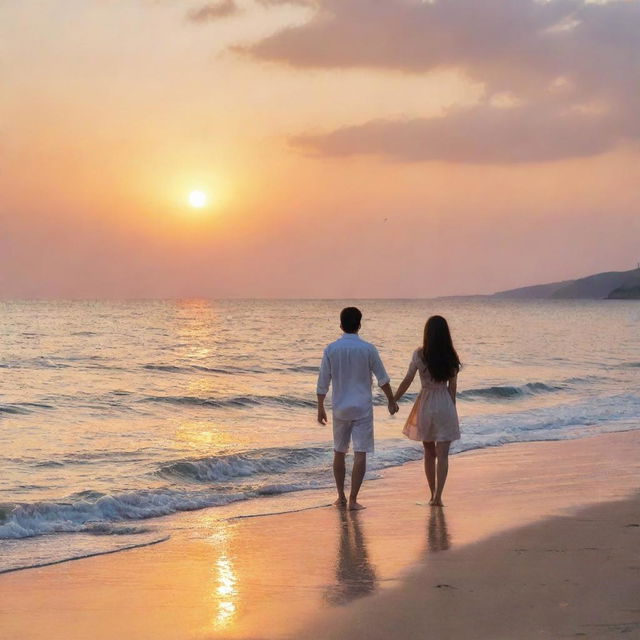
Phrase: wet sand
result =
(536, 540)
(575, 576)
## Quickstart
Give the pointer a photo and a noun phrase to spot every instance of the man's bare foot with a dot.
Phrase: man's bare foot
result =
(431, 501)
(340, 502)
(436, 502)
(355, 506)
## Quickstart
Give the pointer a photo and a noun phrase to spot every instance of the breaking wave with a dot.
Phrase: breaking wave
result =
(506, 392)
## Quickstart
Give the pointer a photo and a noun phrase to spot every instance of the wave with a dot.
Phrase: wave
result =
(172, 368)
(26, 520)
(95, 512)
(502, 392)
(97, 517)
(9, 408)
(228, 370)
(583, 380)
(303, 368)
(237, 465)
(106, 529)
(167, 368)
(92, 512)
(234, 401)
(89, 457)
(23, 407)
(82, 556)
(42, 362)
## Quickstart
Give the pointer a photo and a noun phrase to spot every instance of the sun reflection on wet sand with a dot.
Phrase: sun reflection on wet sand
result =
(226, 592)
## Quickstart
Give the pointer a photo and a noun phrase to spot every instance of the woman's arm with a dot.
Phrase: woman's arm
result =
(408, 379)
(452, 386)
(404, 385)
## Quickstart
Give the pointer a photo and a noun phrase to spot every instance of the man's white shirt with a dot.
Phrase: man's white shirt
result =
(347, 364)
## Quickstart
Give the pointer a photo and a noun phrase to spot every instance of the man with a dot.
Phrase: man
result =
(347, 364)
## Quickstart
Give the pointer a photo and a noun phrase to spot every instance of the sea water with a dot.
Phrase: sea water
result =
(116, 415)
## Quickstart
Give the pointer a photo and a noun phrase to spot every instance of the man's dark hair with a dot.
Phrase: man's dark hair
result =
(350, 318)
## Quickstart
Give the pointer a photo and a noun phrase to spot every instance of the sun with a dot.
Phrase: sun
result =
(198, 199)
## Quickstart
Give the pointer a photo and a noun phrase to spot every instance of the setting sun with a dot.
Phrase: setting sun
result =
(197, 199)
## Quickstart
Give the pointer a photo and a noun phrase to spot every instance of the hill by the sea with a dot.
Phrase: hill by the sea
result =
(612, 285)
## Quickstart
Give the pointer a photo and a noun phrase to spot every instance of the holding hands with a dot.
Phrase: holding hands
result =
(392, 405)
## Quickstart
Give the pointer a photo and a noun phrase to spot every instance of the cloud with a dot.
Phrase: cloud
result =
(273, 3)
(214, 11)
(571, 67)
(482, 134)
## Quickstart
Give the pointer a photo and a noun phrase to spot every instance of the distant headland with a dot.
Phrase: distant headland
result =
(611, 285)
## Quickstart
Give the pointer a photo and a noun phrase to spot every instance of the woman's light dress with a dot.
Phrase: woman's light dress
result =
(433, 417)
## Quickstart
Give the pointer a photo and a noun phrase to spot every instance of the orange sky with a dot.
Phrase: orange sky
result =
(349, 148)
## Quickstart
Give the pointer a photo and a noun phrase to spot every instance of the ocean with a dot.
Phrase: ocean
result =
(116, 416)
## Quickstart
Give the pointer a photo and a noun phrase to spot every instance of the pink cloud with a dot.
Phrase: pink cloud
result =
(214, 11)
(572, 66)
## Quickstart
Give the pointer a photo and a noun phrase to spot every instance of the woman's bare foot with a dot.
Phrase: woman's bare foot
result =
(340, 502)
(436, 502)
(431, 500)
(355, 506)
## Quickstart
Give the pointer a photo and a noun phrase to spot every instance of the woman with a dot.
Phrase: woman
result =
(434, 418)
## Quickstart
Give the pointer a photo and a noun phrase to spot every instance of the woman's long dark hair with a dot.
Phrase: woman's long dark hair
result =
(437, 350)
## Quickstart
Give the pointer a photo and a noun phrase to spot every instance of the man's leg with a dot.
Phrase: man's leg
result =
(338, 474)
(357, 476)
(341, 437)
(362, 436)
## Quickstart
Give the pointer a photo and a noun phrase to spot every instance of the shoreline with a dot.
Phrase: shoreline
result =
(273, 575)
(289, 501)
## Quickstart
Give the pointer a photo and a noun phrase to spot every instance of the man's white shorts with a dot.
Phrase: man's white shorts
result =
(360, 431)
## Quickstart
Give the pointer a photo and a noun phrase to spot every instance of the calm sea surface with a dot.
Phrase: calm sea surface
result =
(115, 414)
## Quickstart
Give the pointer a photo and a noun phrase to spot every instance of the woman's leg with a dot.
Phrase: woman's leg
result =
(442, 457)
(430, 466)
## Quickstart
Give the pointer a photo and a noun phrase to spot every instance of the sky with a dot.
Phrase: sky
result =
(347, 148)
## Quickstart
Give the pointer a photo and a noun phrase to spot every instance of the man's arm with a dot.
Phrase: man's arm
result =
(322, 414)
(383, 380)
(324, 379)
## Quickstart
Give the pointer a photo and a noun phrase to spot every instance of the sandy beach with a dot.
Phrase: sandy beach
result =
(536, 540)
